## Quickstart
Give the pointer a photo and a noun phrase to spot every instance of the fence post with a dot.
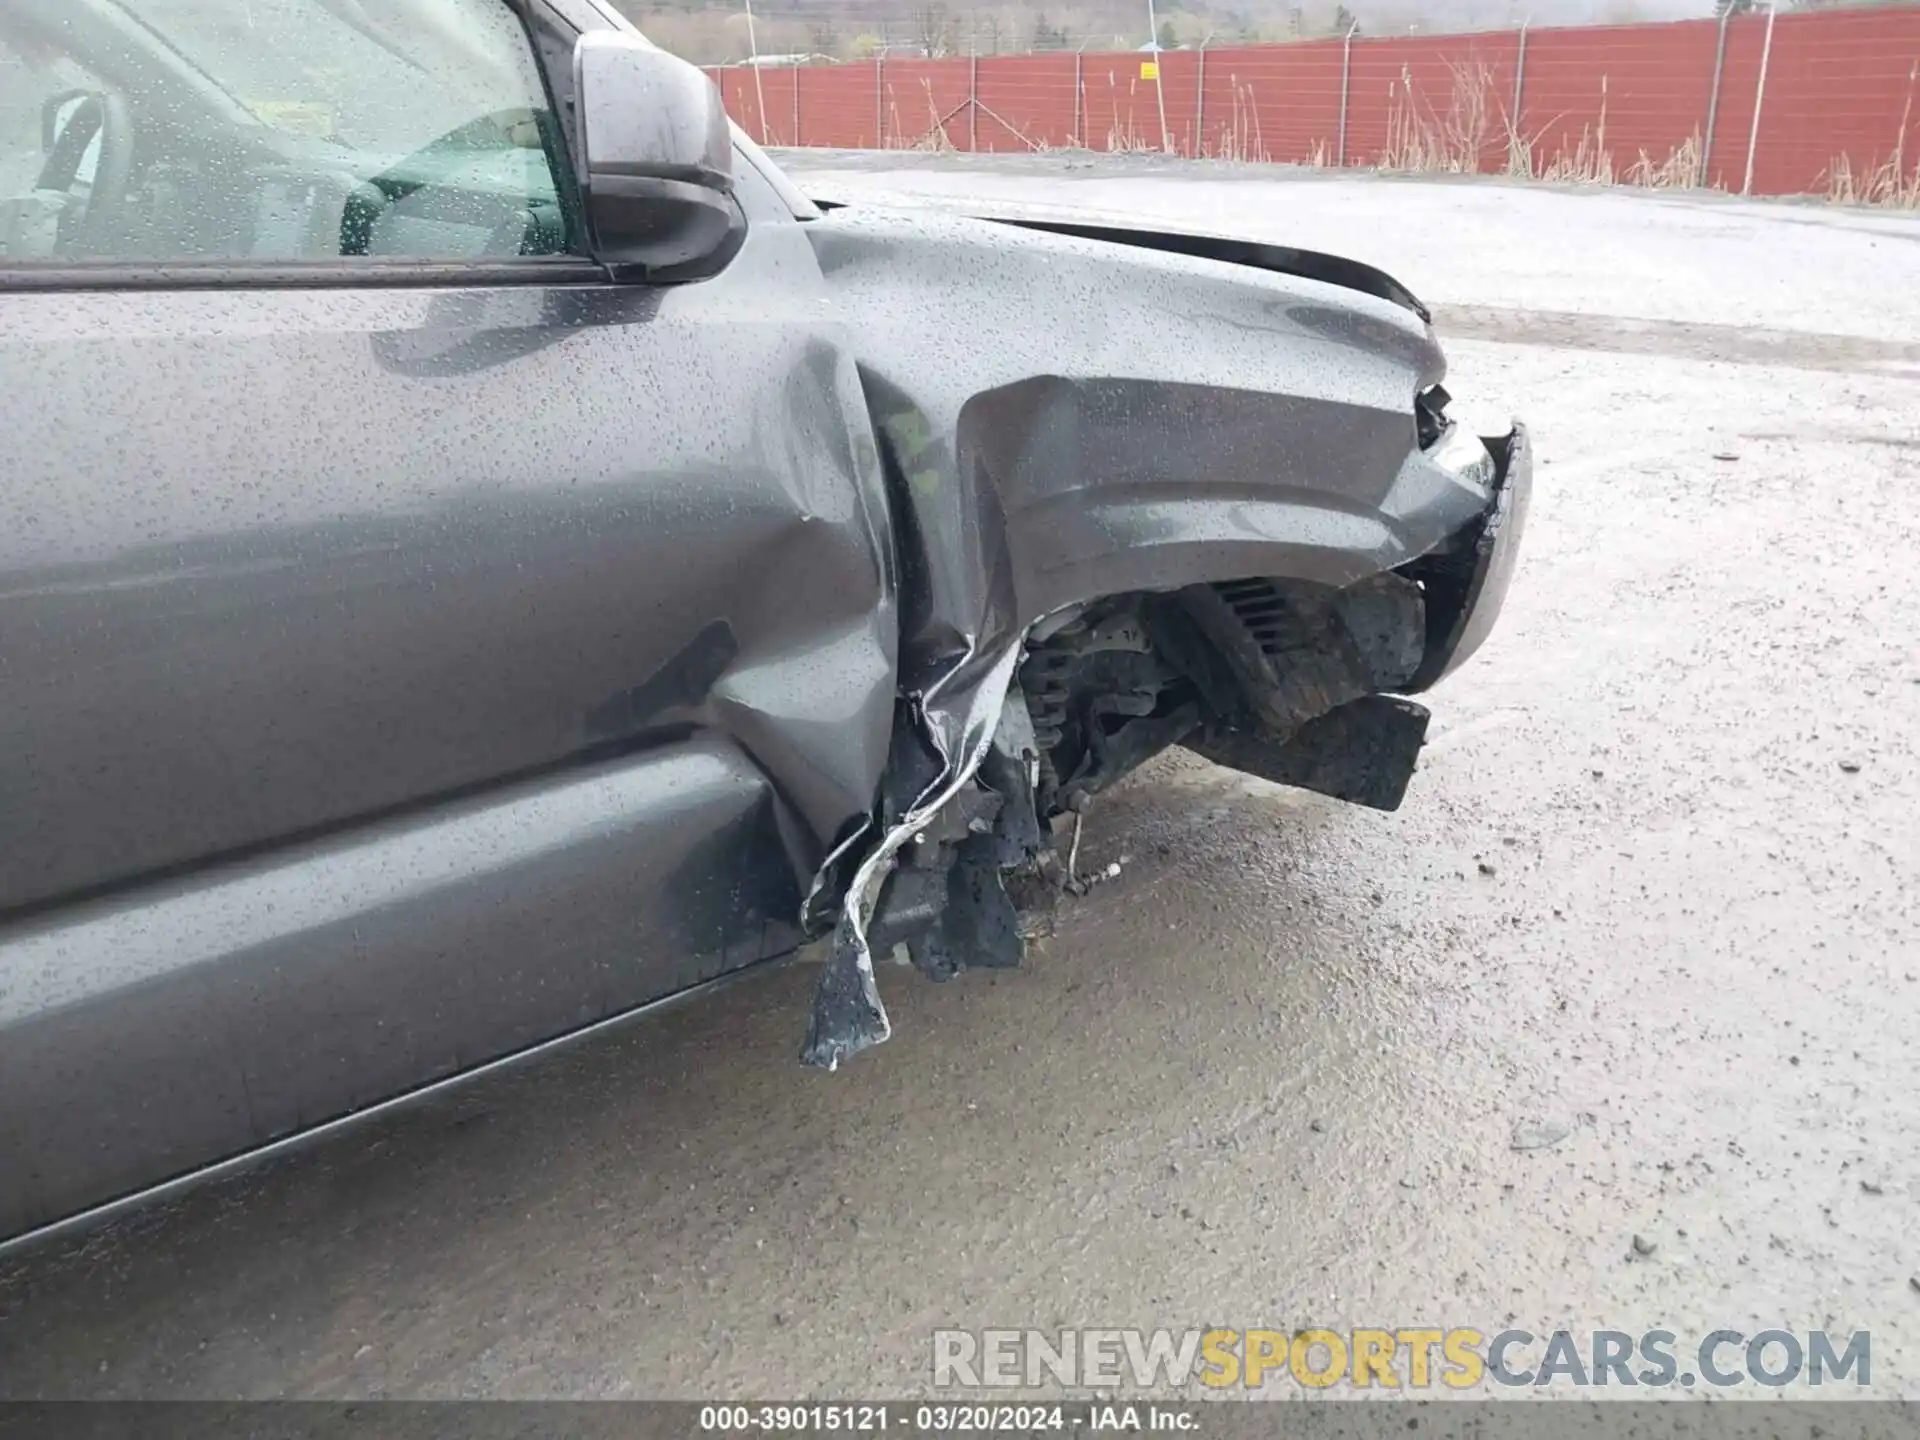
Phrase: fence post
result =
(1079, 96)
(1346, 76)
(759, 88)
(973, 102)
(1200, 105)
(1759, 94)
(1520, 77)
(1713, 99)
(880, 98)
(1159, 84)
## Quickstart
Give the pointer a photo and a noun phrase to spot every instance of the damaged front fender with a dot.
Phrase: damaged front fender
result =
(1063, 420)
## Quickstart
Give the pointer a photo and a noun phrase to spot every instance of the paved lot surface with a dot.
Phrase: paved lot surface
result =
(1654, 892)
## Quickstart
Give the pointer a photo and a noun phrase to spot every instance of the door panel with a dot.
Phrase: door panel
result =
(402, 664)
(274, 560)
(313, 603)
(148, 1035)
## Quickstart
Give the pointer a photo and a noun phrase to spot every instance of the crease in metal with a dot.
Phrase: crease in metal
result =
(848, 1013)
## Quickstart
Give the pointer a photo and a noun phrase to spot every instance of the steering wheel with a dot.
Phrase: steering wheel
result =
(98, 115)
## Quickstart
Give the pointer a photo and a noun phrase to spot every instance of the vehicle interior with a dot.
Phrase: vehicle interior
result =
(185, 134)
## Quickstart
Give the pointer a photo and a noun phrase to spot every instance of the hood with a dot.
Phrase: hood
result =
(1279, 259)
(1276, 259)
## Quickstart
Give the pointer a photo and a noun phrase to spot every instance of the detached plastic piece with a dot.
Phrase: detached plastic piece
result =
(1363, 752)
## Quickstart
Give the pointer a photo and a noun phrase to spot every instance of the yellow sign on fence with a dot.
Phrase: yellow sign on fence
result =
(1149, 69)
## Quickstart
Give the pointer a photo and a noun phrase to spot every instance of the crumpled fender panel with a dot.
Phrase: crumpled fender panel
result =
(1063, 419)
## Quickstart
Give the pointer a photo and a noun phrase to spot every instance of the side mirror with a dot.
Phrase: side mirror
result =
(658, 168)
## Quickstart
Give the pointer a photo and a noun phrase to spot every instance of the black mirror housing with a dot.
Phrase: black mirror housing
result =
(657, 172)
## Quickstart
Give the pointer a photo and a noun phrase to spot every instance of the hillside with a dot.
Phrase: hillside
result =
(717, 33)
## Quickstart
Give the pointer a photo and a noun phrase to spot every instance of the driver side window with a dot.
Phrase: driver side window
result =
(156, 131)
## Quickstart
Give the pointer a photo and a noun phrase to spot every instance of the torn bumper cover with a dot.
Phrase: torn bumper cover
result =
(1466, 579)
(970, 712)
(1364, 751)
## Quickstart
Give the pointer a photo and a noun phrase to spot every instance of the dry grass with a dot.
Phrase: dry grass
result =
(1519, 152)
(1473, 134)
(1885, 184)
(1467, 139)
(1583, 161)
(1588, 161)
(1889, 184)
(936, 138)
(1122, 138)
(1679, 171)
(1453, 142)
(1240, 139)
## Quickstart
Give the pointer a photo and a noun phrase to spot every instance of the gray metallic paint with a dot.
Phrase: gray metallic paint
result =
(1076, 419)
(396, 679)
(148, 1034)
(282, 568)
(270, 561)
(1064, 418)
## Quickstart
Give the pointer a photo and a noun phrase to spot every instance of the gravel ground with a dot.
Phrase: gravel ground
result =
(1649, 910)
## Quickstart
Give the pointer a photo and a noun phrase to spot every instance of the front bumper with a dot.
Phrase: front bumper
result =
(1466, 579)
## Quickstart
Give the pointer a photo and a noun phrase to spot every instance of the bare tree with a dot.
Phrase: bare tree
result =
(933, 28)
(1047, 36)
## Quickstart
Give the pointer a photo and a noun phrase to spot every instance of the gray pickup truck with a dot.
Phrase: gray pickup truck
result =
(482, 554)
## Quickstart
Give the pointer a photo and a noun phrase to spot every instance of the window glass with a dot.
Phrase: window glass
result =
(266, 130)
(29, 83)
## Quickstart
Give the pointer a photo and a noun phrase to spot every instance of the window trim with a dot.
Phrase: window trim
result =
(540, 22)
(344, 272)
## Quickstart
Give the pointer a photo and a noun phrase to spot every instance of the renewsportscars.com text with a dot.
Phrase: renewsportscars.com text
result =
(1410, 1358)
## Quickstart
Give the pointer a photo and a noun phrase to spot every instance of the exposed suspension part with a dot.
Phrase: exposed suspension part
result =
(1046, 678)
(1103, 699)
(1276, 679)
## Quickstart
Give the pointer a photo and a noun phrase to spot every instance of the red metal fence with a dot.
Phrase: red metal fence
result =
(1837, 94)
